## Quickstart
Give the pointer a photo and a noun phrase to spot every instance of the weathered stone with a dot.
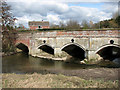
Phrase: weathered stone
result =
(89, 42)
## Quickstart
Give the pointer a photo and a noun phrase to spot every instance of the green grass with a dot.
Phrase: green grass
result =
(6, 83)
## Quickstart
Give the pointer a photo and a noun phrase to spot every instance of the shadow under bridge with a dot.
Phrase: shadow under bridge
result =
(47, 48)
(75, 50)
(23, 47)
(109, 52)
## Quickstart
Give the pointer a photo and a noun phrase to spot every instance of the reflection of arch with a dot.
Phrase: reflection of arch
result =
(74, 50)
(109, 51)
(46, 48)
(22, 47)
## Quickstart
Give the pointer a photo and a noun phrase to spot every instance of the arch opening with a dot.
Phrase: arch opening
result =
(109, 52)
(46, 48)
(23, 47)
(75, 51)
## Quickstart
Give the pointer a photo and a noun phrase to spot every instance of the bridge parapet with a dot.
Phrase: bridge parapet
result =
(90, 33)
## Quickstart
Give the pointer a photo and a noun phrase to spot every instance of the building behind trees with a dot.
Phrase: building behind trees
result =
(33, 25)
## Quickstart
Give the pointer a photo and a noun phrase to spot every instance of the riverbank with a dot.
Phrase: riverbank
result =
(9, 53)
(65, 59)
(83, 78)
(52, 58)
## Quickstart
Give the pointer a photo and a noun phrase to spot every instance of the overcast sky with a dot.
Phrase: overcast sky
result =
(55, 11)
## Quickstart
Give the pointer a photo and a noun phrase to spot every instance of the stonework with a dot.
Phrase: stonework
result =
(89, 41)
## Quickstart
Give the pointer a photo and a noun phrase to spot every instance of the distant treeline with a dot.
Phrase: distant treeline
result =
(113, 23)
(72, 24)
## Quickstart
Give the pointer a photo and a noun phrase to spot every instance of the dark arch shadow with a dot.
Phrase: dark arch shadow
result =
(47, 48)
(74, 50)
(23, 47)
(109, 52)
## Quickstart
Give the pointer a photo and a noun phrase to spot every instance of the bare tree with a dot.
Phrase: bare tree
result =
(7, 17)
(8, 32)
(72, 24)
(61, 24)
(85, 24)
(91, 24)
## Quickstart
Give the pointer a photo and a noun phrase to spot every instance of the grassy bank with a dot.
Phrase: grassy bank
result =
(36, 80)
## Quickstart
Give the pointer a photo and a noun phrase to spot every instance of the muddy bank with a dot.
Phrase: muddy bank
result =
(68, 59)
(52, 58)
(95, 73)
(8, 54)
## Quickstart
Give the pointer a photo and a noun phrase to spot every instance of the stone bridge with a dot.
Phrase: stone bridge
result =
(87, 44)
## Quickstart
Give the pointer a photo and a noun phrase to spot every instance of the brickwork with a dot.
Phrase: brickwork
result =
(102, 33)
(91, 41)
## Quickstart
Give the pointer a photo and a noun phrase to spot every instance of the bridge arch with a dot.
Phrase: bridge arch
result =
(22, 47)
(109, 51)
(46, 48)
(74, 50)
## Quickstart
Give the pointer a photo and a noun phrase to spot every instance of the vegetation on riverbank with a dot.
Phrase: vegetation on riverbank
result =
(53, 81)
(9, 33)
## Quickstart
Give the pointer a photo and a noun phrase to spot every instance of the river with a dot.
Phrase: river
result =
(22, 63)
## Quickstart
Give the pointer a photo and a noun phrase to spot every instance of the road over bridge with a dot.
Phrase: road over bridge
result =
(87, 44)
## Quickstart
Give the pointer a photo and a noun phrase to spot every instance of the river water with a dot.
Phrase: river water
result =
(22, 63)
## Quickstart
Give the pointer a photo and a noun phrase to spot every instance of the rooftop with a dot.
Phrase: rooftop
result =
(43, 23)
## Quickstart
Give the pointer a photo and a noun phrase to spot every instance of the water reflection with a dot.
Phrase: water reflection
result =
(22, 63)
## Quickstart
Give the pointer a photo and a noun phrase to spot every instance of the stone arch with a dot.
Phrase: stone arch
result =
(46, 48)
(109, 51)
(74, 50)
(22, 47)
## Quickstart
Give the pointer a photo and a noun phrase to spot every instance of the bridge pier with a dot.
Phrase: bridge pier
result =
(92, 55)
(57, 52)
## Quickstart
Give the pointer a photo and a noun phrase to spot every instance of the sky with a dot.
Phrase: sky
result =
(56, 11)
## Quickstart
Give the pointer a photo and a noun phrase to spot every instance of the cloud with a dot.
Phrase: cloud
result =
(110, 7)
(84, 13)
(64, 0)
(26, 18)
(53, 19)
(22, 20)
(42, 8)
(59, 11)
